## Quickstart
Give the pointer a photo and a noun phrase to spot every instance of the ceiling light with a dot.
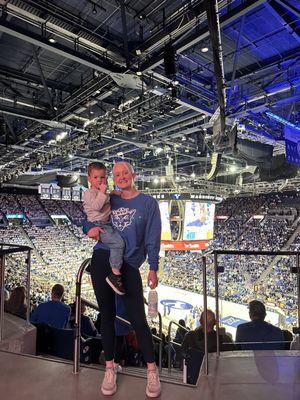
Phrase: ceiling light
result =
(94, 11)
(52, 40)
(61, 135)
(193, 175)
(139, 73)
(158, 150)
(162, 180)
(138, 52)
(177, 178)
(155, 181)
(70, 156)
(55, 108)
(232, 168)
(176, 83)
(204, 49)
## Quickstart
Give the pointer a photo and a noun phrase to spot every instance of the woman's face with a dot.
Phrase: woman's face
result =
(123, 176)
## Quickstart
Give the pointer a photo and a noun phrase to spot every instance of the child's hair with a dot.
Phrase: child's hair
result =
(95, 165)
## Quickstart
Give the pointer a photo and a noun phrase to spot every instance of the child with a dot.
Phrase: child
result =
(97, 208)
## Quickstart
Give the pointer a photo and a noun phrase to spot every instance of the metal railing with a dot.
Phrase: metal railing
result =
(126, 322)
(78, 300)
(5, 249)
(218, 270)
(172, 342)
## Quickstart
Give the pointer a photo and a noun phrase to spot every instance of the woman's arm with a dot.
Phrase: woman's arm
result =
(152, 241)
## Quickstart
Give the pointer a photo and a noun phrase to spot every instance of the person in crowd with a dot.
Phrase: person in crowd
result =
(16, 302)
(258, 330)
(195, 339)
(54, 312)
(180, 332)
(288, 339)
(96, 203)
(136, 217)
(87, 325)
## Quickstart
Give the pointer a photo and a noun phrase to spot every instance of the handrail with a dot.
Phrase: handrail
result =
(13, 248)
(121, 319)
(16, 248)
(80, 272)
(170, 341)
(216, 272)
(77, 328)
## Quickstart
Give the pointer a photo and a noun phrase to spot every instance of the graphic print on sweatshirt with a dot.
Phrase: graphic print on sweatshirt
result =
(122, 218)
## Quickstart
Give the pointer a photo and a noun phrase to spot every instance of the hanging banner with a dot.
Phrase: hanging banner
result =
(184, 245)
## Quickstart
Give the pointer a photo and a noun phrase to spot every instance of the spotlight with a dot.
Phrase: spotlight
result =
(94, 11)
(193, 175)
(139, 73)
(155, 181)
(162, 180)
(232, 168)
(204, 49)
(52, 40)
(177, 178)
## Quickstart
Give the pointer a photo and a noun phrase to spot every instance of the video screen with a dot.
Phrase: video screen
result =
(165, 220)
(198, 221)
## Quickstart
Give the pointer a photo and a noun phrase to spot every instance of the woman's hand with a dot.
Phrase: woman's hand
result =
(152, 279)
(94, 233)
(116, 192)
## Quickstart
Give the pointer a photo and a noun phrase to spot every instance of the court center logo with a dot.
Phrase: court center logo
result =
(176, 304)
(122, 218)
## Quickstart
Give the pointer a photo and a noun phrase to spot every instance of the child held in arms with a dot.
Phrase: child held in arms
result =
(96, 203)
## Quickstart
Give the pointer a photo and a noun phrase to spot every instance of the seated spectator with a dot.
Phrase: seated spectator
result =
(54, 312)
(180, 333)
(16, 303)
(288, 338)
(195, 339)
(87, 326)
(259, 331)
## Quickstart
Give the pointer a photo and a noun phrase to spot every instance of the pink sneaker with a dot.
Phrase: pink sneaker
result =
(109, 383)
(153, 387)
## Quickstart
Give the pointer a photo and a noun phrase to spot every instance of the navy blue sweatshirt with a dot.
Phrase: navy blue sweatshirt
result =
(138, 222)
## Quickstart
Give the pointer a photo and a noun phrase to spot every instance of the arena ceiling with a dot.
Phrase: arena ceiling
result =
(82, 81)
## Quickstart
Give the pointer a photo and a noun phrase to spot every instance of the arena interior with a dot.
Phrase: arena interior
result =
(202, 99)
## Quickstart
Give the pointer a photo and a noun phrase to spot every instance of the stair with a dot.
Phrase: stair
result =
(30, 243)
(276, 259)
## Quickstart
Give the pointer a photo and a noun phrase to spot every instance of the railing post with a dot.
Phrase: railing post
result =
(28, 262)
(205, 314)
(2, 269)
(169, 347)
(217, 301)
(78, 316)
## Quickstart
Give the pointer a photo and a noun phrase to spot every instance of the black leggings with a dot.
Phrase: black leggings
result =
(133, 300)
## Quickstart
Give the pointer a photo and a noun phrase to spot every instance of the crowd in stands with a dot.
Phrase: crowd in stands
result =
(240, 281)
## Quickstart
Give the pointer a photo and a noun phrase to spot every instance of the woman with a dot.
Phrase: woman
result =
(136, 217)
(16, 303)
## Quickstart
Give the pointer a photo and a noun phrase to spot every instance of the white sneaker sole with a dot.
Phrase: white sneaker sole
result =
(109, 392)
(152, 395)
(113, 287)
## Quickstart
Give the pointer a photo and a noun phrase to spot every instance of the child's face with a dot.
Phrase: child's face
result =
(96, 177)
